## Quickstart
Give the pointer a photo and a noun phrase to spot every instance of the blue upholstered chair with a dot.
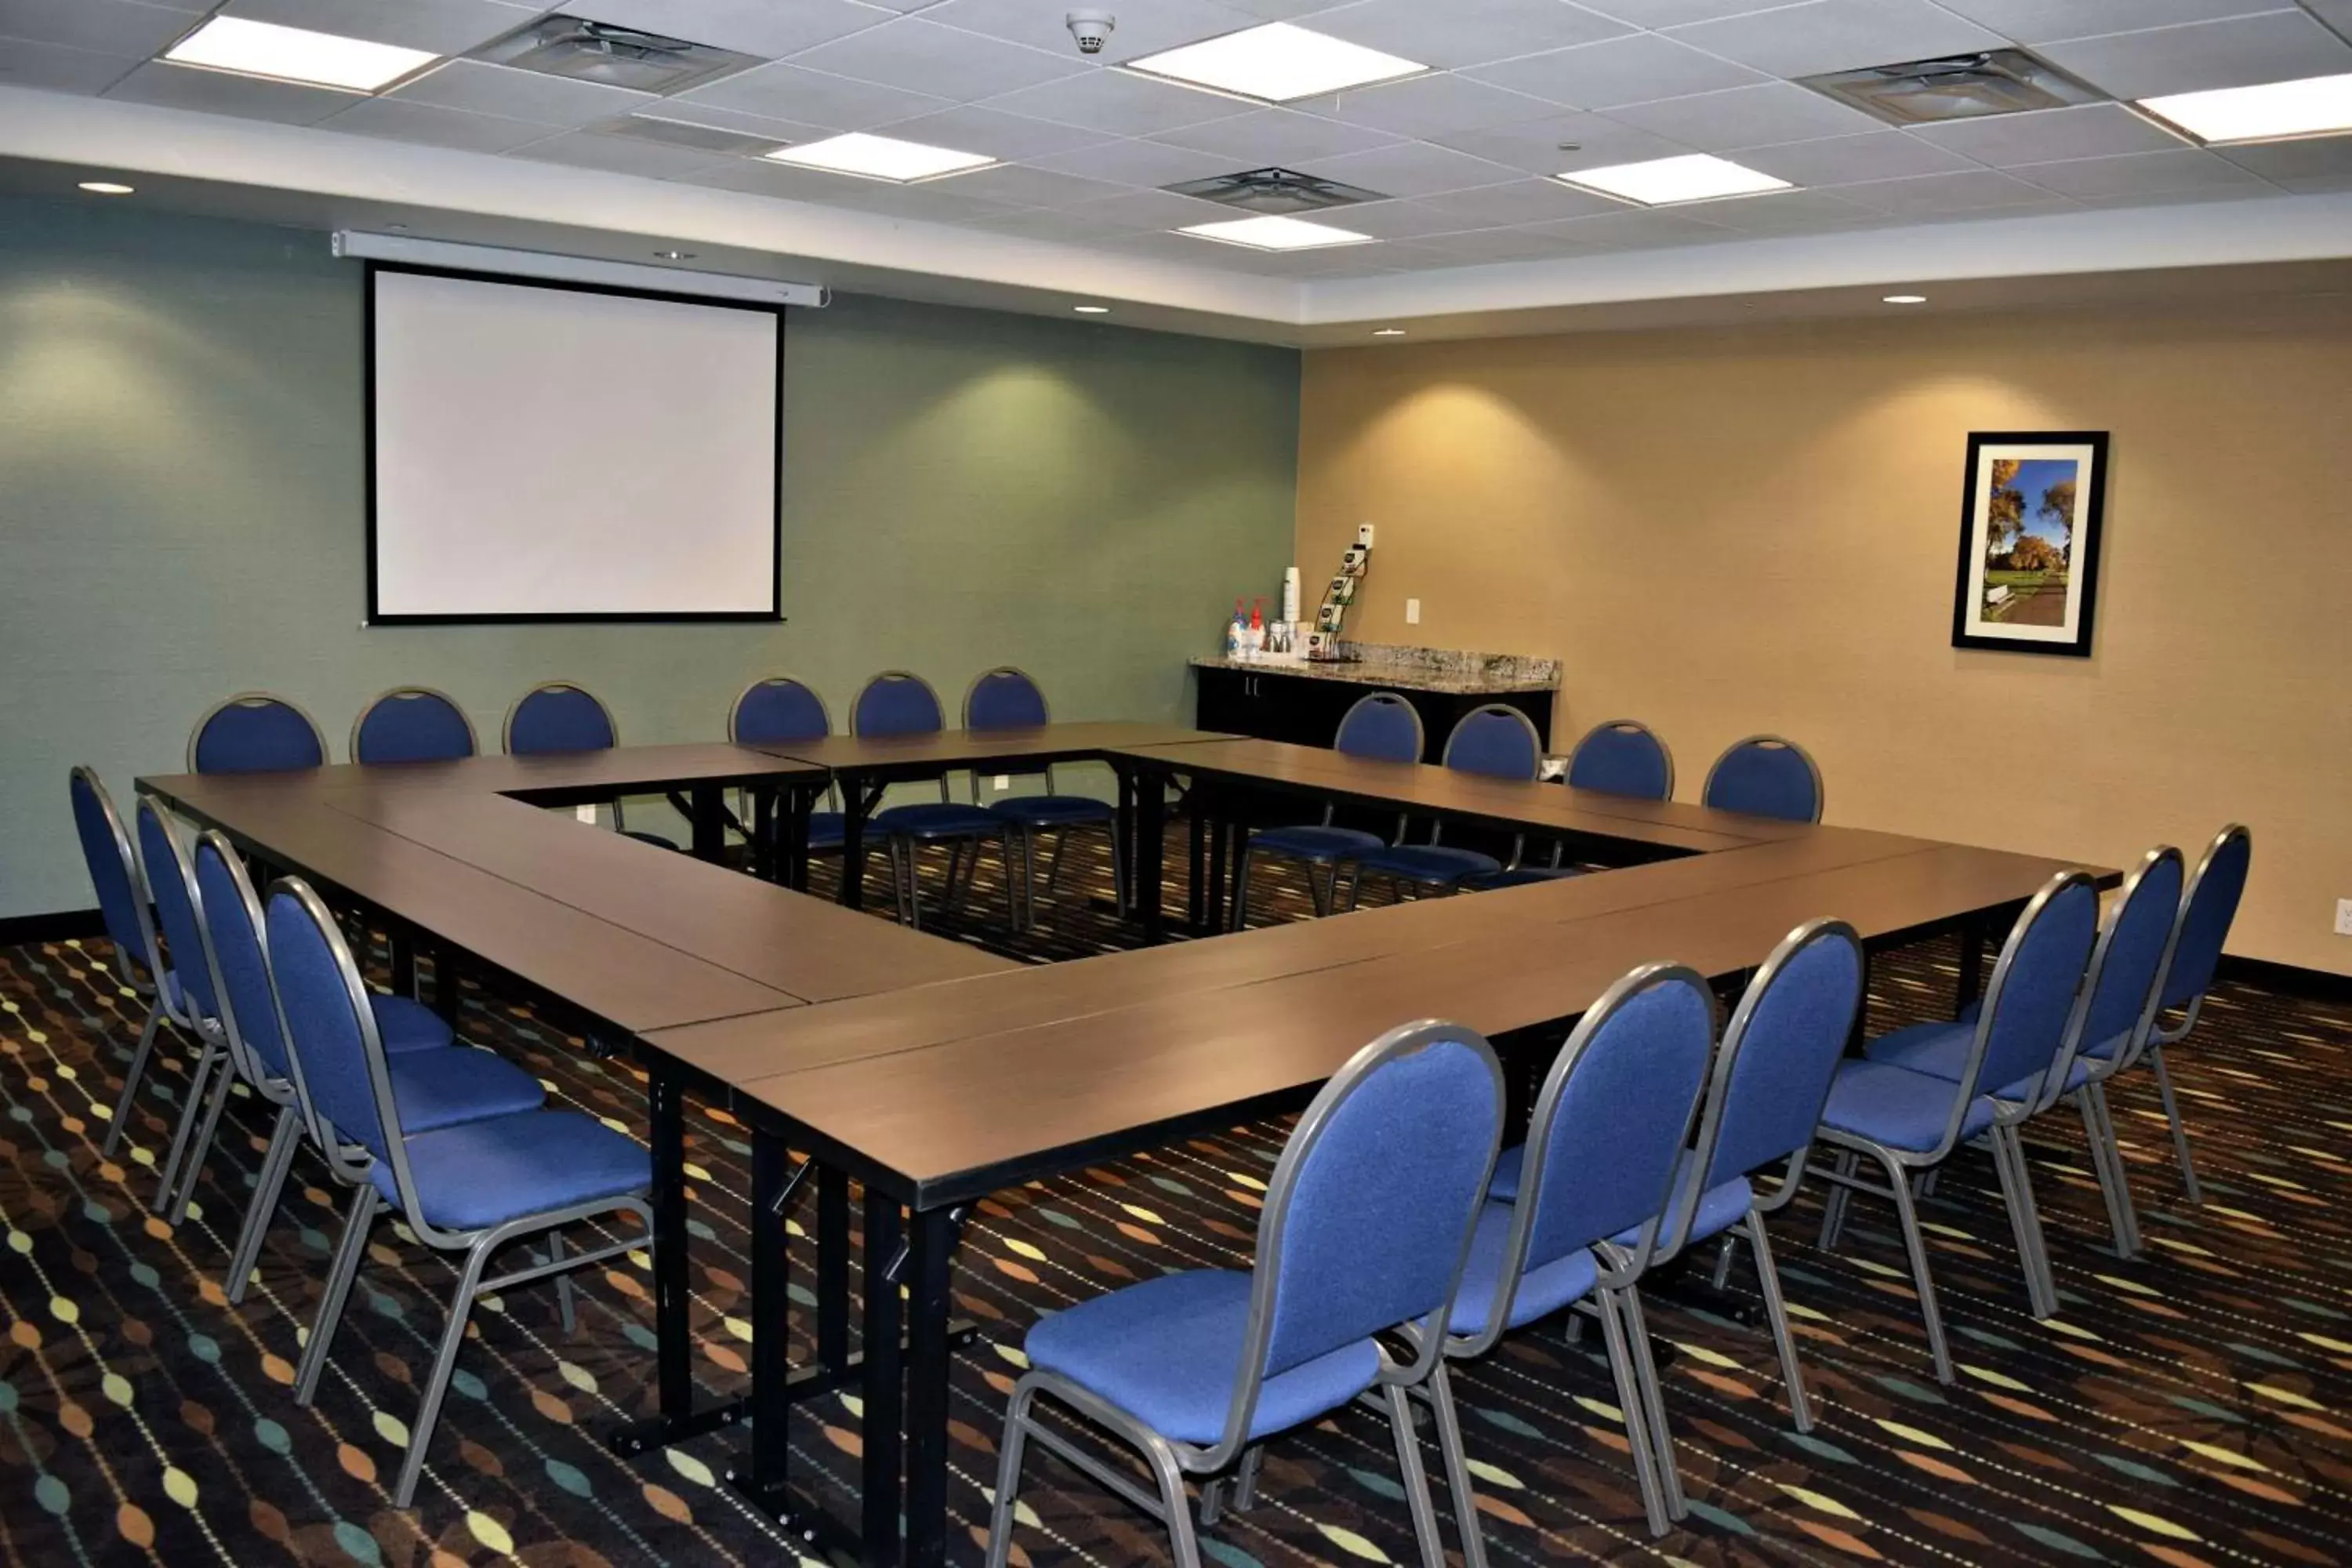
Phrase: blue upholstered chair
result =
(1380, 727)
(1623, 756)
(411, 724)
(1365, 1229)
(777, 710)
(1765, 775)
(1007, 699)
(470, 1188)
(254, 732)
(1495, 739)
(125, 904)
(896, 703)
(2206, 914)
(555, 717)
(1907, 1122)
(1592, 1186)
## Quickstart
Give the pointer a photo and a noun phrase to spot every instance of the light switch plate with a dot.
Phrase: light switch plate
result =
(1412, 612)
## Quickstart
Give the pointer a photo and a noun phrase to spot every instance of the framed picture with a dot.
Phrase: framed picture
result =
(2028, 572)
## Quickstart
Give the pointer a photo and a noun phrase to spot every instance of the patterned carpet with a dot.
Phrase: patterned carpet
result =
(2184, 1408)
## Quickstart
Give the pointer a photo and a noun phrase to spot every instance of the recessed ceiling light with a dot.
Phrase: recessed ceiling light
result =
(105, 188)
(1905, 300)
(673, 256)
(1275, 233)
(1276, 62)
(880, 158)
(2315, 106)
(1660, 182)
(1388, 331)
(296, 53)
(1092, 310)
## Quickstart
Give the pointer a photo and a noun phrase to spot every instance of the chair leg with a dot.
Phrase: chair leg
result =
(1183, 1541)
(1631, 1403)
(340, 1275)
(1416, 1477)
(1239, 919)
(1118, 866)
(1723, 1259)
(2104, 1166)
(1246, 1478)
(130, 1077)
(212, 1059)
(284, 1139)
(2128, 1238)
(2024, 1220)
(1450, 1448)
(566, 1305)
(1776, 1311)
(224, 1083)
(1915, 1242)
(436, 1383)
(2179, 1132)
(1008, 1477)
(1662, 1436)
(910, 912)
(1054, 867)
(1835, 1202)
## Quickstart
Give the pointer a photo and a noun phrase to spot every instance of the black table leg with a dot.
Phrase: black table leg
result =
(853, 842)
(401, 947)
(1196, 890)
(709, 823)
(763, 833)
(833, 1268)
(930, 1260)
(1972, 941)
(673, 1350)
(773, 1182)
(1858, 1035)
(1212, 903)
(1150, 831)
(884, 1388)
(447, 992)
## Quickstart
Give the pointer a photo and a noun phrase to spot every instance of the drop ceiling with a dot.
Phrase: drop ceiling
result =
(1473, 226)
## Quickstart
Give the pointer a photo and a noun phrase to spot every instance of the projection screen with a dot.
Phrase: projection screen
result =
(552, 452)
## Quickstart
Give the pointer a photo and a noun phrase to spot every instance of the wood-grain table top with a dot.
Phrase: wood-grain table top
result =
(962, 748)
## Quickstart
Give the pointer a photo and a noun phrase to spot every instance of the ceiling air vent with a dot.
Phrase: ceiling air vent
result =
(1959, 87)
(1275, 191)
(616, 57)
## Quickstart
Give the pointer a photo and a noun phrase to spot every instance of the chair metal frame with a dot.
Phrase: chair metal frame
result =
(743, 813)
(2160, 1035)
(2008, 1151)
(1022, 837)
(353, 1165)
(1169, 1460)
(1325, 894)
(405, 693)
(143, 972)
(1437, 827)
(205, 1031)
(1820, 789)
(906, 887)
(256, 700)
(1619, 726)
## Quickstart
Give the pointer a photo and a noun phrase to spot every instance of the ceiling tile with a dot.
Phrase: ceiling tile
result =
(2040, 21)
(444, 26)
(922, 57)
(1279, 10)
(400, 120)
(760, 28)
(218, 92)
(812, 98)
(53, 67)
(1839, 34)
(1793, 212)
(969, 128)
(120, 27)
(1144, 29)
(1151, 209)
(519, 94)
(1633, 229)
(1846, 160)
(1931, 194)
(1538, 146)
(1463, 32)
(1435, 105)
(1119, 104)
(1046, 224)
(1674, 13)
(718, 119)
(2278, 45)
(1486, 246)
(622, 155)
(757, 176)
(1135, 163)
(1517, 203)
(932, 201)
(2093, 131)
(2313, 158)
(1016, 185)
(1414, 169)
(2337, 13)
(2139, 174)
(1632, 69)
(1270, 136)
(1762, 116)
(1396, 220)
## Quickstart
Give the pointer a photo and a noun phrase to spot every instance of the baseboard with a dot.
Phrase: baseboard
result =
(2316, 984)
(61, 925)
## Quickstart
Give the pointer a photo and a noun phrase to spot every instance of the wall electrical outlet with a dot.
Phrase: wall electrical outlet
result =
(1364, 535)
(2344, 917)
(1001, 781)
(1412, 612)
(586, 814)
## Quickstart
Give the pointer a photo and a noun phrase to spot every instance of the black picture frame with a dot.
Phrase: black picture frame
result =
(2016, 589)
(375, 618)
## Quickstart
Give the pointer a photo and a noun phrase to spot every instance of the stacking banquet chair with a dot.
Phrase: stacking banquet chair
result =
(1623, 756)
(555, 717)
(1365, 1229)
(1765, 775)
(411, 724)
(2115, 1017)
(776, 711)
(897, 703)
(254, 732)
(2205, 916)
(1381, 727)
(123, 902)
(1495, 739)
(1007, 699)
(1907, 1122)
(1608, 1128)
(471, 1187)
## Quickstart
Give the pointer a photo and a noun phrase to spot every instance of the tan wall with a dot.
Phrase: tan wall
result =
(1727, 533)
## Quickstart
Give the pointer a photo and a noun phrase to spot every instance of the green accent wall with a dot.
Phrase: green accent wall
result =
(181, 514)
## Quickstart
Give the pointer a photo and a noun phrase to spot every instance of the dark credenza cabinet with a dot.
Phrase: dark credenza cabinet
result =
(1271, 705)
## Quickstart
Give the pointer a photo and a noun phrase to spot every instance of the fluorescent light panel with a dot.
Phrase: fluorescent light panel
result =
(296, 53)
(2315, 106)
(1662, 181)
(880, 158)
(1275, 233)
(1276, 62)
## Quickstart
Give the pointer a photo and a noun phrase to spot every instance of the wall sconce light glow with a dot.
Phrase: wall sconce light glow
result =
(1277, 63)
(1663, 182)
(1092, 310)
(1275, 233)
(2315, 106)
(296, 53)
(105, 188)
(880, 158)
(1905, 300)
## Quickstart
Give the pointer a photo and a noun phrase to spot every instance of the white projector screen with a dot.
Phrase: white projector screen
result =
(545, 452)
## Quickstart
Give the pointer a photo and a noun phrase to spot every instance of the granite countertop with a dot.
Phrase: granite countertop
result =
(1452, 671)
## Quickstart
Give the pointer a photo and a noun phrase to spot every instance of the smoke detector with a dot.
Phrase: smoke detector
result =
(1275, 191)
(1092, 30)
(1956, 87)
(583, 50)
